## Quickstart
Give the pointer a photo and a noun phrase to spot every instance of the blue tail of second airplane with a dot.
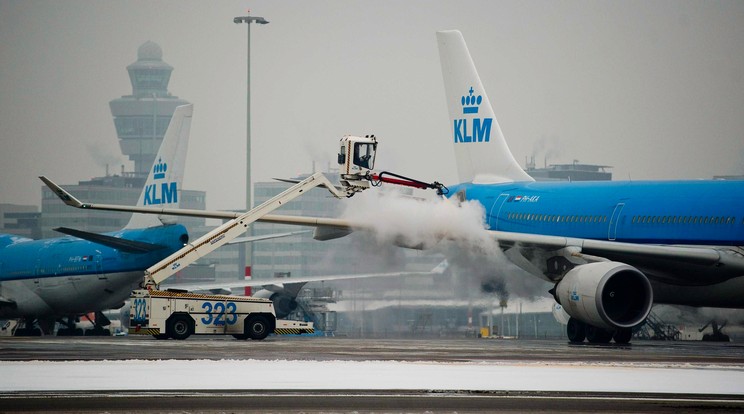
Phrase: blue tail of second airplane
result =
(481, 152)
(163, 185)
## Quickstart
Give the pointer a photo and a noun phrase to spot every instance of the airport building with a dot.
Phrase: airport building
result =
(575, 171)
(21, 220)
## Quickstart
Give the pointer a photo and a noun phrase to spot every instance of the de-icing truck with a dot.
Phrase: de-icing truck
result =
(179, 314)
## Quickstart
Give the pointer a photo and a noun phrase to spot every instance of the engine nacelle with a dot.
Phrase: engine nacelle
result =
(284, 304)
(609, 295)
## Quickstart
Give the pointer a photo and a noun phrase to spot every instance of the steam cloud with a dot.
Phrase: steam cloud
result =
(458, 230)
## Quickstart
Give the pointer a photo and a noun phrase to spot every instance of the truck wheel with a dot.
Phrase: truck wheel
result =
(180, 326)
(256, 327)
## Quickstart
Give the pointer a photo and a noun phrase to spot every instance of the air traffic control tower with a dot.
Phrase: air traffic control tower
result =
(141, 120)
(142, 117)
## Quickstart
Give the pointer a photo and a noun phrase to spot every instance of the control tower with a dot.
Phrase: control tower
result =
(142, 117)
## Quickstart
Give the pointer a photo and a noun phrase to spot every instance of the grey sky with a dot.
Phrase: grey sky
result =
(655, 89)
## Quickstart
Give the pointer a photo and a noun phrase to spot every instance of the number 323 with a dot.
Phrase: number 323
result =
(216, 313)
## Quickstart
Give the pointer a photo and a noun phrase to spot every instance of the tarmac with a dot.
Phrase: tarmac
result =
(641, 360)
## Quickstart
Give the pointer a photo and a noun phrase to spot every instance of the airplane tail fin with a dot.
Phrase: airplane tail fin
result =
(163, 185)
(481, 151)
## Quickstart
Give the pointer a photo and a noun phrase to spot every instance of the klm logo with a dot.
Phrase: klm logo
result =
(168, 194)
(168, 191)
(159, 169)
(475, 129)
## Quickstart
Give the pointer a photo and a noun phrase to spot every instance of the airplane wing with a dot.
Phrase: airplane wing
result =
(326, 228)
(667, 261)
(128, 246)
(439, 269)
(265, 237)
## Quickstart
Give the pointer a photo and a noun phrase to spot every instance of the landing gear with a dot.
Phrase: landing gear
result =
(597, 335)
(69, 326)
(577, 331)
(622, 336)
(30, 327)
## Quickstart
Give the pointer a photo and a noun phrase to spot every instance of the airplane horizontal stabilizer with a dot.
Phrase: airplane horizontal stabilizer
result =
(128, 246)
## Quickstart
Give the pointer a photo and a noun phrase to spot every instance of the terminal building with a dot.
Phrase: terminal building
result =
(575, 171)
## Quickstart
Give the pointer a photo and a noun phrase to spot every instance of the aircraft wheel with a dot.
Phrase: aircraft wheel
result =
(256, 327)
(180, 326)
(597, 335)
(576, 330)
(622, 336)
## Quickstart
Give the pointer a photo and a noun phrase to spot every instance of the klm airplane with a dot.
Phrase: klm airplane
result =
(611, 249)
(43, 281)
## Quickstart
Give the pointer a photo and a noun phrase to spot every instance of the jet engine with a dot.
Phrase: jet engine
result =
(284, 304)
(609, 295)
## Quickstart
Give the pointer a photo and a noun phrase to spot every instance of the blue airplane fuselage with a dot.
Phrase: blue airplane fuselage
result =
(658, 212)
(44, 276)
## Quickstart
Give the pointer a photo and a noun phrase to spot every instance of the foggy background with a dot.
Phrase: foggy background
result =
(655, 89)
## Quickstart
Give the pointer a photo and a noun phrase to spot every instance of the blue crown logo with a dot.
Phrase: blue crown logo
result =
(159, 169)
(470, 103)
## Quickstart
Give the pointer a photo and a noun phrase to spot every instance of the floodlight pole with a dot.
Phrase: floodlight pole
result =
(248, 201)
(248, 20)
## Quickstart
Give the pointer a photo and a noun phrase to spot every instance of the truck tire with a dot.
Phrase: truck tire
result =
(180, 326)
(256, 327)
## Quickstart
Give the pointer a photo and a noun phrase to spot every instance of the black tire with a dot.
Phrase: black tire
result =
(256, 327)
(622, 336)
(241, 337)
(180, 326)
(597, 335)
(160, 336)
(576, 330)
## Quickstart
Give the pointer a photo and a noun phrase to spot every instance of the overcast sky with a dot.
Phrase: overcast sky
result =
(655, 89)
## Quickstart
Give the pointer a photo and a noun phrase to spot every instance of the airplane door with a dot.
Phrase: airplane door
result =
(614, 221)
(493, 215)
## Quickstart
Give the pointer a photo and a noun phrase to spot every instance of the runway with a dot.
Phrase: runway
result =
(315, 374)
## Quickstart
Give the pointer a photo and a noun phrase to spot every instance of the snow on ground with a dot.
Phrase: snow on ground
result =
(366, 375)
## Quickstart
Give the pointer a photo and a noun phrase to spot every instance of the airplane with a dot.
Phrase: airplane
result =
(43, 281)
(611, 249)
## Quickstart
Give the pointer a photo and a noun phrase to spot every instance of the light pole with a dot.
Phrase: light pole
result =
(248, 202)
(248, 20)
